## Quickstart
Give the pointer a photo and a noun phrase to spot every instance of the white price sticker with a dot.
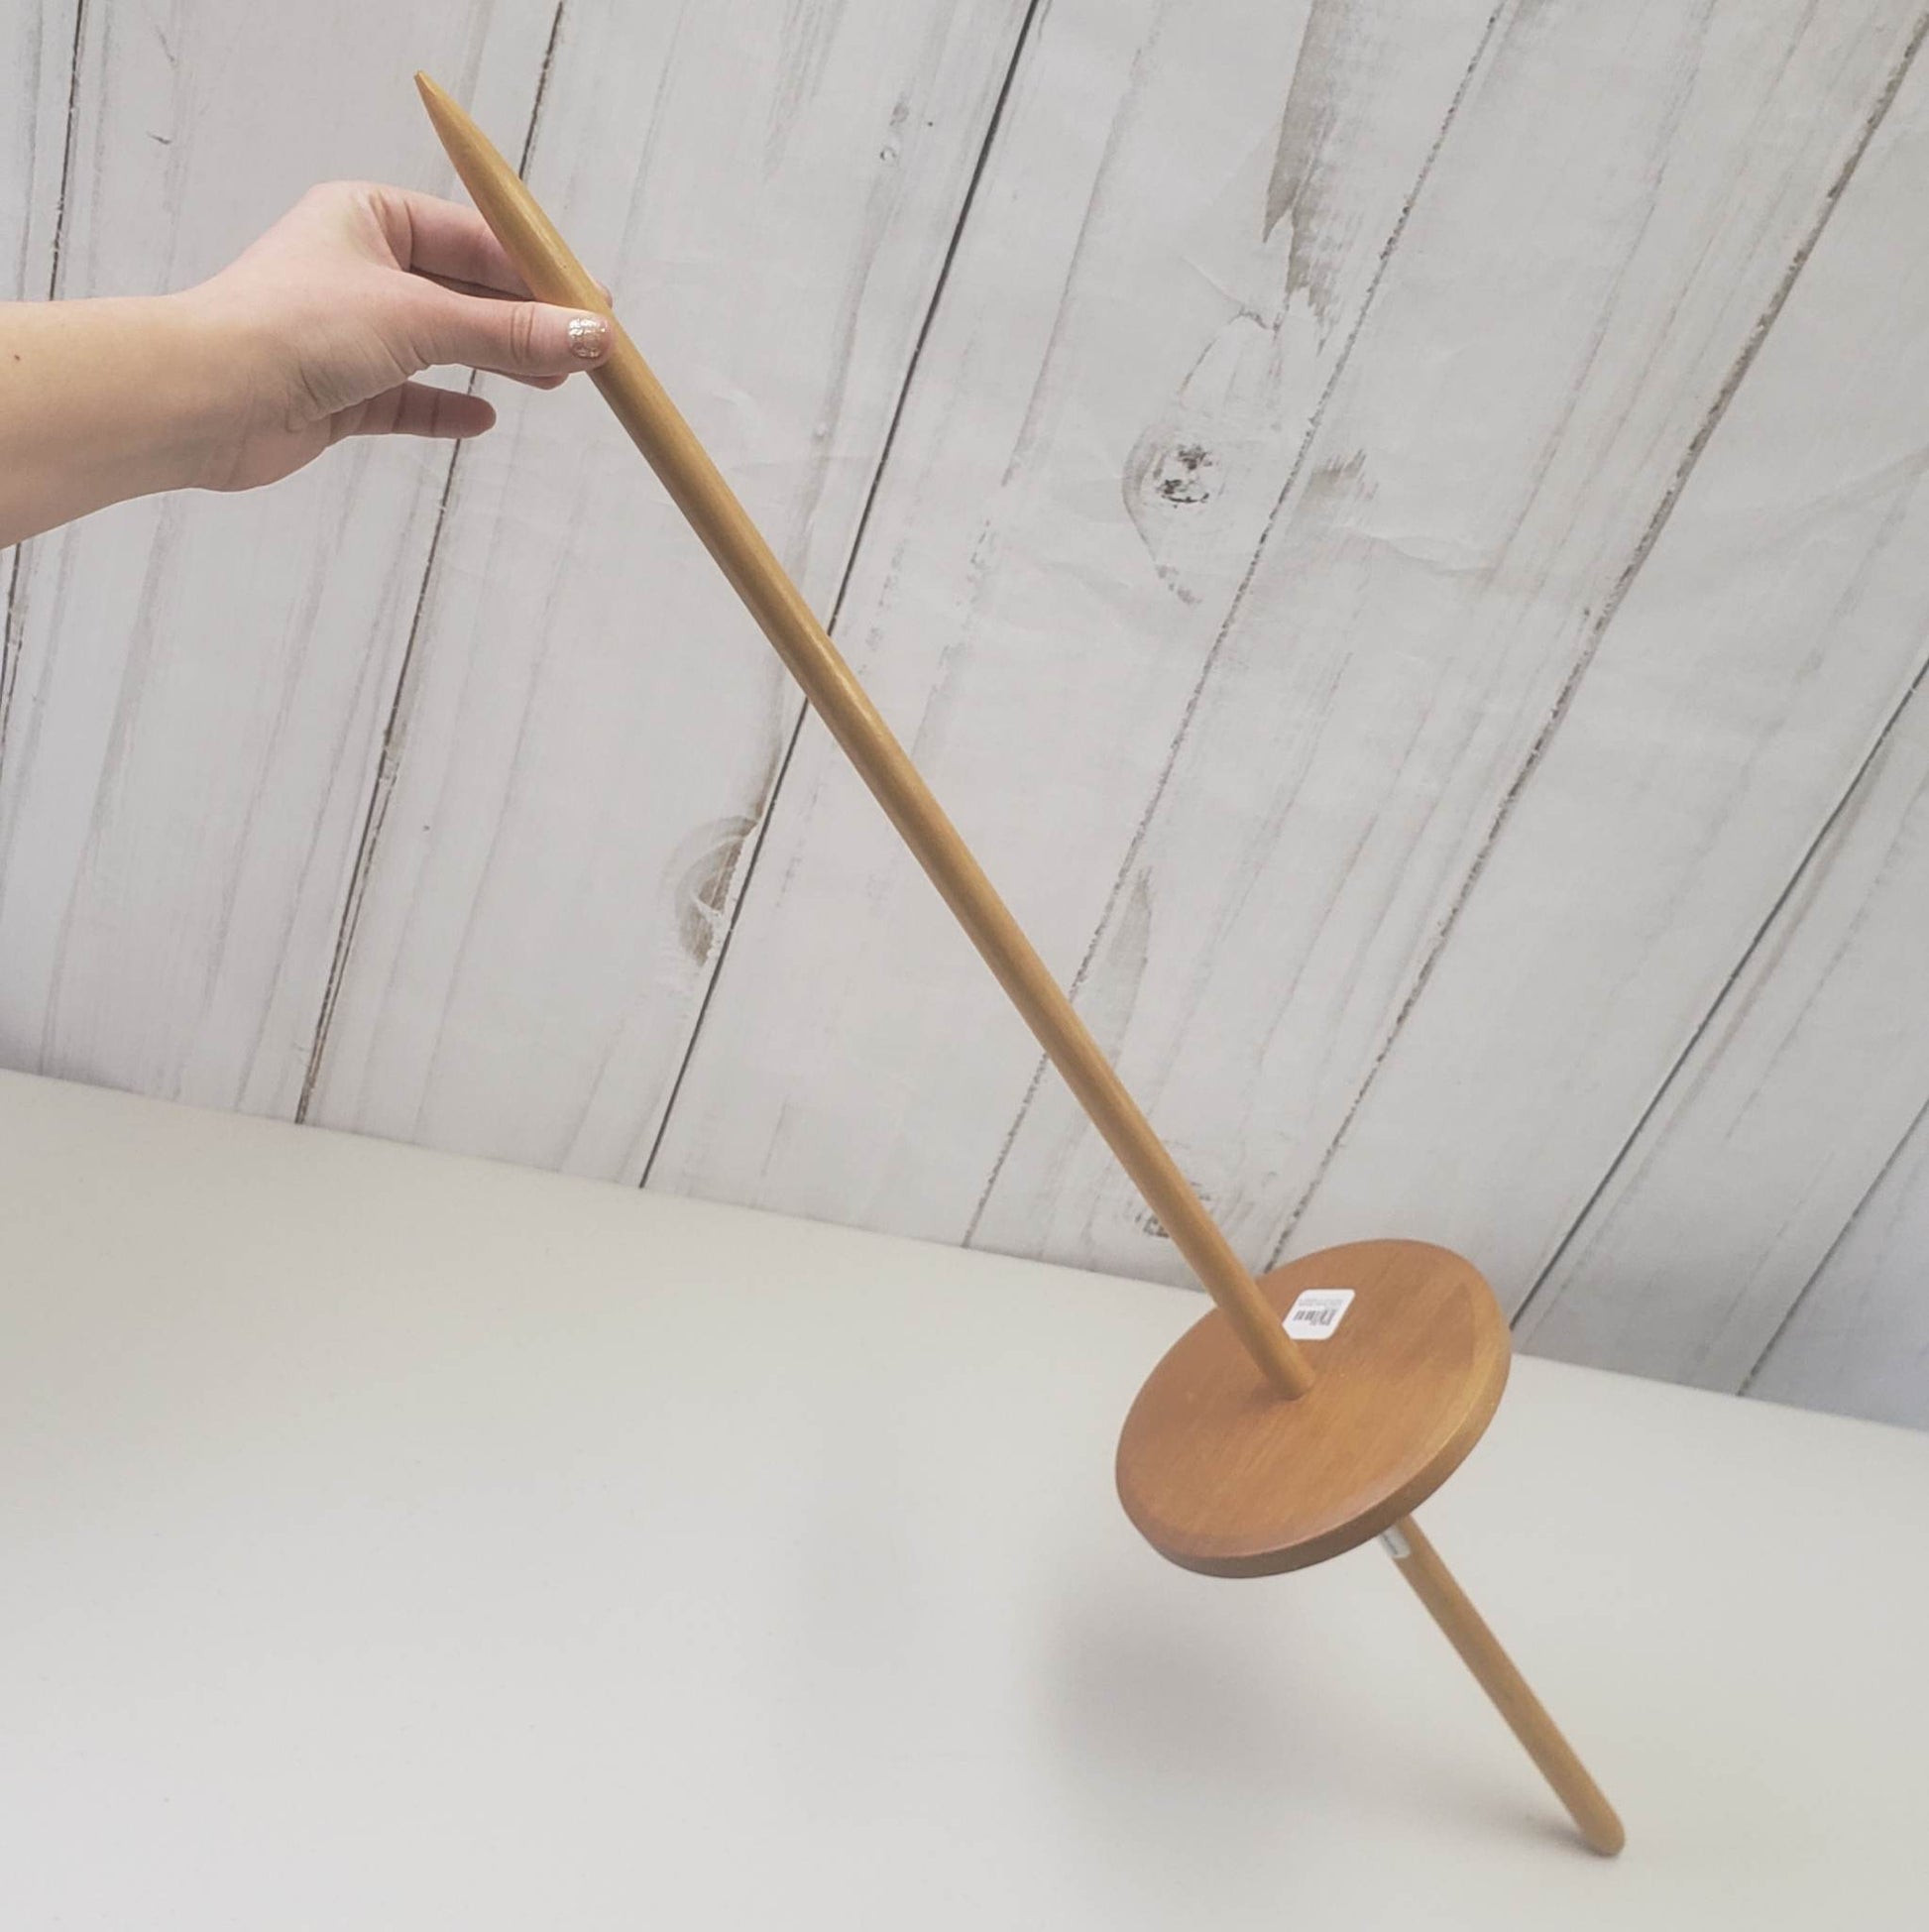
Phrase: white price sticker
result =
(1316, 1313)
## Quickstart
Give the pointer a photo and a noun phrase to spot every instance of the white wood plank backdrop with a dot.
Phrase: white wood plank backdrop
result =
(1396, 532)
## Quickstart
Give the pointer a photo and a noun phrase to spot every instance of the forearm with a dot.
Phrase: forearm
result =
(102, 401)
(315, 332)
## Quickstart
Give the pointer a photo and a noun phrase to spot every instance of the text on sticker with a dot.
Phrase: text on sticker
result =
(1316, 1313)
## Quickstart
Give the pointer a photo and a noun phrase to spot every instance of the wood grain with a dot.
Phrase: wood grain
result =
(201, 680)
(1397, 542)
(553, 272)
(1769, 637)
(36, 62)
(1523, 1712)
(1857, 1339)
(1579, 288)
(1779, 1120)
(1176, 238)
(588, 728)
(1222, 1480)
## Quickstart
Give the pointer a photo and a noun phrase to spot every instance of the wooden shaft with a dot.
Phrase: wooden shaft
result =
(1480, 1651)
(698, 488)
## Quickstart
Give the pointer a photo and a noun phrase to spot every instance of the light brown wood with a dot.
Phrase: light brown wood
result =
(698, 488)
(1432, 1582)
(1218, 1479)
(1216, 1470)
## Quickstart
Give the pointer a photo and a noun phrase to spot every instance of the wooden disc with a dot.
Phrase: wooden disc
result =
(1222, 1475)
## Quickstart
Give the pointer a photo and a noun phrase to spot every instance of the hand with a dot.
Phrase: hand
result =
(352, 294)
(314, 334)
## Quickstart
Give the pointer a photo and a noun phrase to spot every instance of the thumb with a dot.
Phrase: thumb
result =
(509, 338)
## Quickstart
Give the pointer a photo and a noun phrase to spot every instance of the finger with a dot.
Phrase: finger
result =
(497, 295)
(510, 338)
(490, 294)
(418, 409)
(434, 237)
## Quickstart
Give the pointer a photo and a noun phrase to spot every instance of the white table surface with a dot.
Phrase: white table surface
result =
(390, 1541)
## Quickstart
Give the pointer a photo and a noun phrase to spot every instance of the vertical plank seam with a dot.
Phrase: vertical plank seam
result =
(389, 763)
(1315, 423)
(68, 136)
(1747, 1383)
(1610, 610)
(1812, 855)
(16, 618)
(1034, 11)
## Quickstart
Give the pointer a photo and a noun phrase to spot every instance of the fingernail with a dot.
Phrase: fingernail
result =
(588, 337)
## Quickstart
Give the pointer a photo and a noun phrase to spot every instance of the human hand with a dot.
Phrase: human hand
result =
(328, 318)
(314, 334)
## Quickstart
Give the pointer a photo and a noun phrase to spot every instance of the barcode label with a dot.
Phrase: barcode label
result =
(1317, 1312)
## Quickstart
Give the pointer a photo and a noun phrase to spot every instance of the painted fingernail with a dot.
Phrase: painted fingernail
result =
(588, 337)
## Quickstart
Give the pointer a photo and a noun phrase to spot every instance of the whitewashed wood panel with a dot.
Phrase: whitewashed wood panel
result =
(35, 83)
(1176, 238)
(591, 727)
(1767, 640)
(1781, 1117)
(1394, 547)
(36, 68)
(1857, 1340)
(201, 680)
(1610, 220)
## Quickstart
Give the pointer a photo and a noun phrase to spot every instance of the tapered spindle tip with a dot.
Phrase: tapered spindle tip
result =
(453, 127)
(441, 109)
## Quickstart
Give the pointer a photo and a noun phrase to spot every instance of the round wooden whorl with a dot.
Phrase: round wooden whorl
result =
(1222, 1475)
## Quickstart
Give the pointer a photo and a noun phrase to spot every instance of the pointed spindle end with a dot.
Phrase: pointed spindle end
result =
(527, 235)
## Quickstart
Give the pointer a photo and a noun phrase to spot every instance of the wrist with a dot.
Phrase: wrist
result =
(206, 387)
(113, 397)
